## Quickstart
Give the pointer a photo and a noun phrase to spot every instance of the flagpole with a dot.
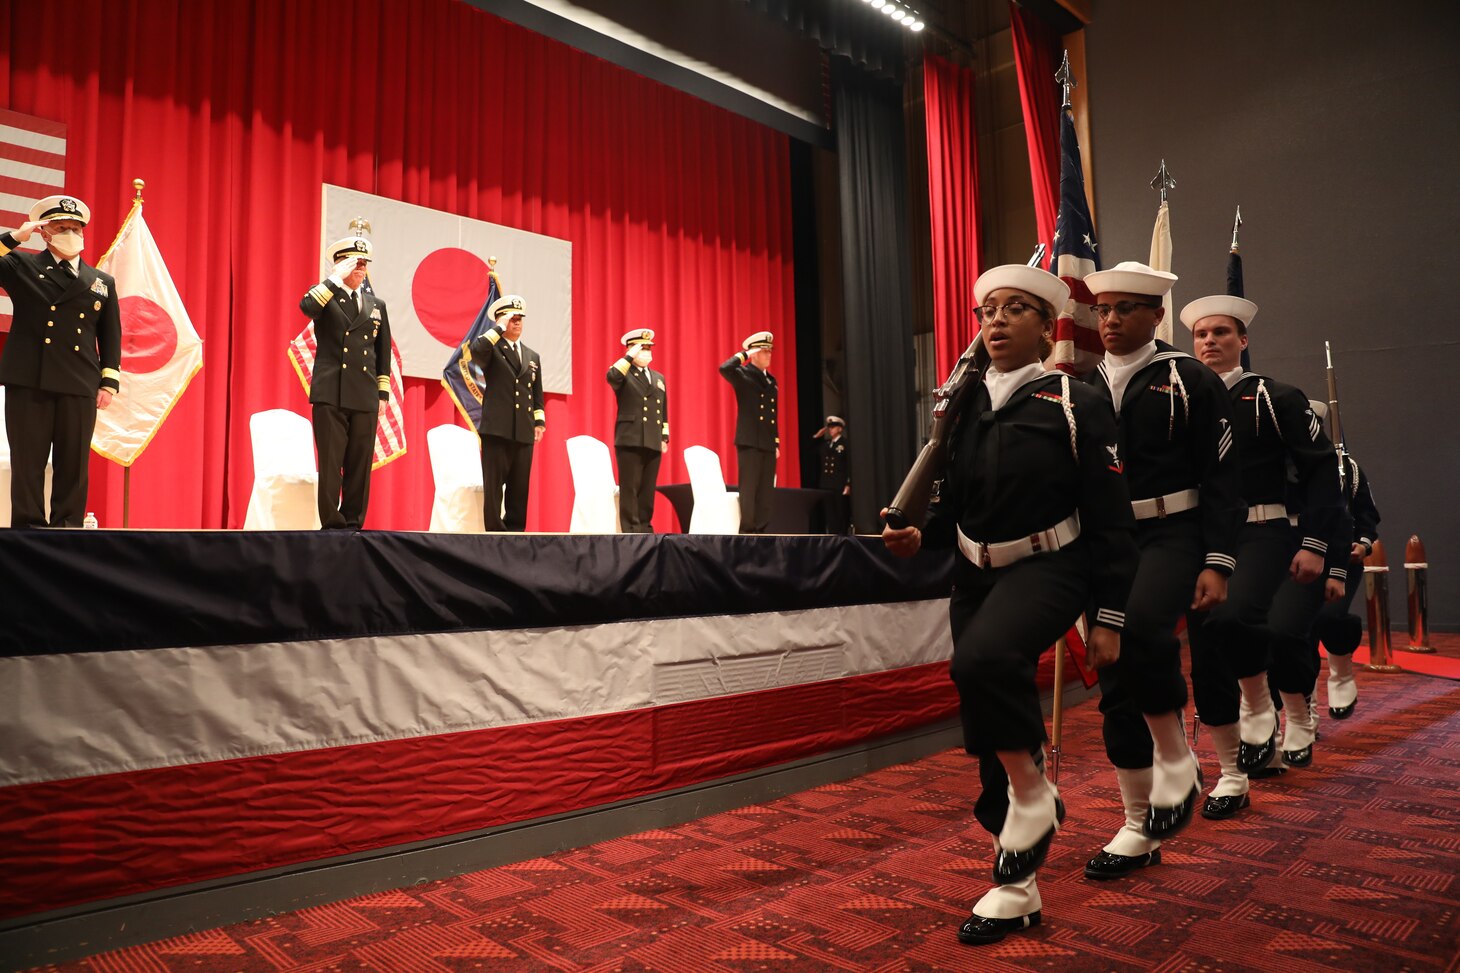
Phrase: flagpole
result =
(138, 185)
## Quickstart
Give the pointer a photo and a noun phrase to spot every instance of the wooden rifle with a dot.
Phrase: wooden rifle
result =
(910, 507)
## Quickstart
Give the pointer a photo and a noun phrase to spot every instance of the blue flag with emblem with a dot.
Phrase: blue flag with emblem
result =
(464, 377)
(1234, 286)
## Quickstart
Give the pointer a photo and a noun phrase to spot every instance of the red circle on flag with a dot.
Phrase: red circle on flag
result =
(447, 291)
(149, 337)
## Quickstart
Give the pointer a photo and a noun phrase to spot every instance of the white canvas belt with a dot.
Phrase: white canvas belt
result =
(1261, 513)
(1171, 503)
(1004, 553)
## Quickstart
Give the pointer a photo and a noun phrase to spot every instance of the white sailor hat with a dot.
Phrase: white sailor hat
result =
(757, 341)
(1130, 277)
(639, 336)
(1320, 409)
(60, 208)
(510, 304)
(835, 421)
(350, 248)
(1233, 307)
(1031, 280)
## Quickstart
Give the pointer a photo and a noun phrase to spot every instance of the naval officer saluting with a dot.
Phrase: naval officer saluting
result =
(513, 420)
(757, 433)
(351, 378)
(641, 432)
(61, 362)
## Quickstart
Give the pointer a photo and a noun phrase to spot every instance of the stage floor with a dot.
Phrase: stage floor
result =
(1349, 865)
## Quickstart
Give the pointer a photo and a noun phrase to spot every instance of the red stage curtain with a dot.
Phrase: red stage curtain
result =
(1036, 57)
(952, 205)
(678, 211)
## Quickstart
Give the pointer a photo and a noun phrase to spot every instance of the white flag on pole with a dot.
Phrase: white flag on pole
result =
(1161, 260)
(160, 350)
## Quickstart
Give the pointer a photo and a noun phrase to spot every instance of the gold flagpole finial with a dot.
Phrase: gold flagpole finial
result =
(138, 184)
(492, 262)
(360, 226)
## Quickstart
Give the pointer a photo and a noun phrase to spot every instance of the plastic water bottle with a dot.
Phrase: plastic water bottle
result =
(90, 522)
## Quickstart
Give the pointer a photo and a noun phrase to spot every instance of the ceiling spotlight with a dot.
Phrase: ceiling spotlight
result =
(907, 19)
(891, 11)
(917, 25)
(878, 4)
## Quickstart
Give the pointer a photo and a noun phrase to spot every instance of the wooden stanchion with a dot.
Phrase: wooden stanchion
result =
(1376, 592)
(1057, 711)
(1417, 569)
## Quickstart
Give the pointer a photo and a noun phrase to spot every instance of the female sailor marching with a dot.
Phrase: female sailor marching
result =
(1034, 498)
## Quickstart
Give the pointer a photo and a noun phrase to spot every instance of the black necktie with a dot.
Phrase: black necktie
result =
(354, 305)
(512, 358)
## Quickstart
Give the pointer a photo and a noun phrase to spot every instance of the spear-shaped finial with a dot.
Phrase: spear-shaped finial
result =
(1066, 81)
(1236, 225)
(1163, 181)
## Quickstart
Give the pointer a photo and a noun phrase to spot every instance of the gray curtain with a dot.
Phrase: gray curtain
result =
(876, 284)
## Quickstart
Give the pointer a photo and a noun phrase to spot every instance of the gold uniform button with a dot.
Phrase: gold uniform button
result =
(76, 348)
(53, 307)
(78, 330)
(50, 324)
(83, 315)
(48, 341)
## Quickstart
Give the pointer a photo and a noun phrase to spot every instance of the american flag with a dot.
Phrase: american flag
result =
(1077, 347)
(32, 166)
(390, 431)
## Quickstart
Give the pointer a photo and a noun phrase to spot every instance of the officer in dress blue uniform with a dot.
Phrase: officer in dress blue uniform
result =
(641, 432)
(1035, 502)
(351, 378)
(757, 432)
(1175, 421)
(1263, 624)
(62, 361)
(835, 475)
(513, 420)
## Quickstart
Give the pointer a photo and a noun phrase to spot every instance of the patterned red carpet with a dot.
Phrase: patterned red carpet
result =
(1350, 865)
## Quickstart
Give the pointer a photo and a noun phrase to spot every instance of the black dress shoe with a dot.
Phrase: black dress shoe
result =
(1252, 757)
(1110, 865)
(1016, 866)
(1222, 808)
(1298, 758)
(1164, 822)
(1263, 773)
(978, 931)
(1342, 712)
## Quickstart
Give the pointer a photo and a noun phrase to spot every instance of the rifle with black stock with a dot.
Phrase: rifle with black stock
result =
(910, 507)
(1335, 424)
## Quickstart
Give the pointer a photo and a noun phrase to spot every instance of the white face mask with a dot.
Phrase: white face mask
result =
(644, 358)
(68, 243)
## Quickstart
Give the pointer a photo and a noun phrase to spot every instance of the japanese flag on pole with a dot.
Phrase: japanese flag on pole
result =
(160, 350)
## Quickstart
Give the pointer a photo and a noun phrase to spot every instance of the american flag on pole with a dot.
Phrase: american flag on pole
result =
(32, 166)
(390, 431)
(1077, 347)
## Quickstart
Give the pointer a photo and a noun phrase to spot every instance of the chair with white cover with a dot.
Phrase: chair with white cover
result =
(716, 510)
(456, 467)
(595, 495)
(285, 477)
